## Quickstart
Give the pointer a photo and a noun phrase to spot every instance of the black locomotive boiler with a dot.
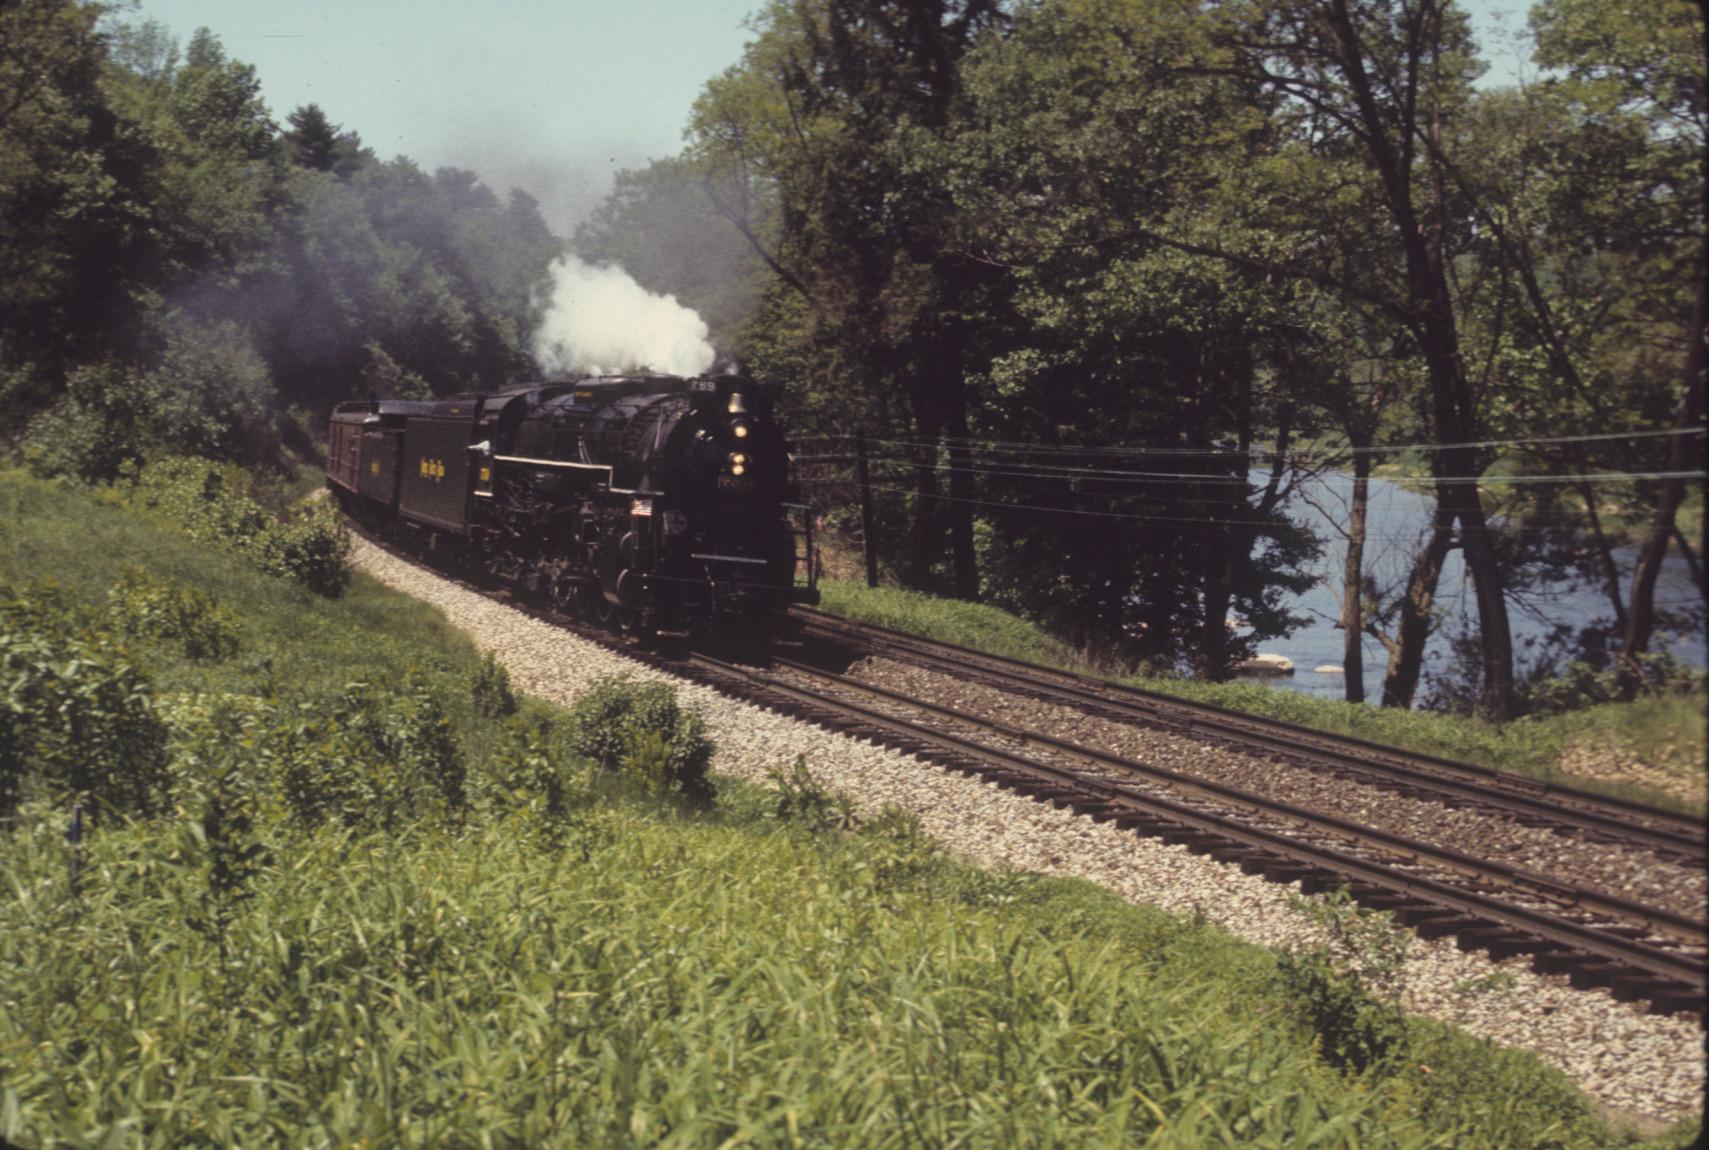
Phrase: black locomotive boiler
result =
(661, 502)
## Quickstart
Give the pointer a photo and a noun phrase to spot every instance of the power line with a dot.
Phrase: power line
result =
(1266, 453)
(1271, 527)
(1173, 477)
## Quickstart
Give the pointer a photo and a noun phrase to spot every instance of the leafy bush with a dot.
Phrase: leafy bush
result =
(207, 394)
(803, 801)
(530, 776)
(144, 606)
(93, 431)
(374, 757)
(1347, 988)
(227, 801)
(640, 729)
(898, 852)
(312, 549)
(1579, 685)
(367, 757)
(81, 712)
(211, 502)
(490, 690)
(208, 501)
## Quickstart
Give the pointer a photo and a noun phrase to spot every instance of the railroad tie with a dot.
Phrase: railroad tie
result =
(1500, 942)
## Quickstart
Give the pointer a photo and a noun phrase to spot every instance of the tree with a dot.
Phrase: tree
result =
(1159, 374)
(837, 112)
(315, 142)
(1649, 67)
(1381, 81)
(70, 185)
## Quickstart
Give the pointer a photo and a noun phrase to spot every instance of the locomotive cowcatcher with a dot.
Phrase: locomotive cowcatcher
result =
(663, 502)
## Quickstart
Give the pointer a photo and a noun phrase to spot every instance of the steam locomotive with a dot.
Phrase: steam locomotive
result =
(661, 503)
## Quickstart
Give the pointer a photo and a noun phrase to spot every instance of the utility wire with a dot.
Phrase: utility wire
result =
(1047, 472)
(1000, 445)
(1264, 526)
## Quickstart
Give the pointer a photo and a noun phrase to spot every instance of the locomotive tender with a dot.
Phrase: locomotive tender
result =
(661, 501)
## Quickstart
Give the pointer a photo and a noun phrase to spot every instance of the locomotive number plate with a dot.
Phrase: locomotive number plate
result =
(732, 483)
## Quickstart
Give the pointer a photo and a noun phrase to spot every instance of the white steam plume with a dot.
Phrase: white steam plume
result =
(601, 320)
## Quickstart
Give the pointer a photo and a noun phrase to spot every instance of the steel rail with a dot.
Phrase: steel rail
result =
(1682, 972)
(1682, 927)
(1488, 787)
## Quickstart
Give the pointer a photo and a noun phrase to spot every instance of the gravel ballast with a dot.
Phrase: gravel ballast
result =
(1629, 872)
(1636, 1063)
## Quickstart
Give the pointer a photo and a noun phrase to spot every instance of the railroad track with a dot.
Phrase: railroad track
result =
(1638, 952)
(1595, 818)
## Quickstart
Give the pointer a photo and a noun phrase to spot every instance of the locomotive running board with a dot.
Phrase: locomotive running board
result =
(727, 558)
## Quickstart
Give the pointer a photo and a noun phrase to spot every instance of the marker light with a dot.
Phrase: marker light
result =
(737, 469)
(738, 458)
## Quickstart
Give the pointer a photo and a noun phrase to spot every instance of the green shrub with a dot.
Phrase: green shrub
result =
(366, 757)
(490, 690)
(638, 728)
(94, 430)
(897, 851)
(313, 549)
(207, 501)
(143, 606)
(1346, 989)
(803, 801)
(207, 394)
(529, 776)
(82, 714)
(212, 502)
(226, 798)
(375, 757)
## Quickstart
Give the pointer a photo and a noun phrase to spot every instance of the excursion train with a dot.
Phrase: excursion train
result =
(663, 504)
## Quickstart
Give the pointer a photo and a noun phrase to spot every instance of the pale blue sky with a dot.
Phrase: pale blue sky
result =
(552, 96)
(548, 95)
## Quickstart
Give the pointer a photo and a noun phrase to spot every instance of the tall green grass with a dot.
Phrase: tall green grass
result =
(648, 973)
(672, 981)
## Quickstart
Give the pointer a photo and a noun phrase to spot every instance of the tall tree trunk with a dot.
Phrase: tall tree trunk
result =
(1353, 582)
(961, 490)
(1406, 656)
(922, 533)
(1604, 552)
(1432, 306)
(1684, 453)
(1494, 634)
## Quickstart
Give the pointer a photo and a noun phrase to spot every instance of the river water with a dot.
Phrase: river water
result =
(1397, 520)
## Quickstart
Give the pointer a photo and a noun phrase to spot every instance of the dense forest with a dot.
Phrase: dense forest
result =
(1104, 284)
(178, 272)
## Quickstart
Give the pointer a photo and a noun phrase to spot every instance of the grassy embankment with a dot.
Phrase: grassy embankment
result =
(638, 973)
(1651, 749)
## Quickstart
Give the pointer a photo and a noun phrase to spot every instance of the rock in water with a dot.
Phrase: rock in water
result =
(1267, 664)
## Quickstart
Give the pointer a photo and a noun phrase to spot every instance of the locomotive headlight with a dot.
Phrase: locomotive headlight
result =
(738, 458)
(741, 430)
(737, 469)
